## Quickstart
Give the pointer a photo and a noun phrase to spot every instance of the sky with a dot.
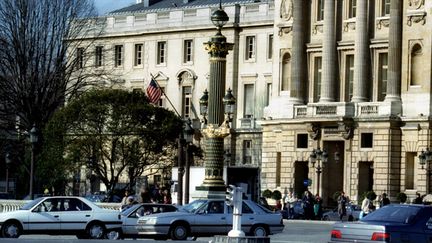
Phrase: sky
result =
(105, 6)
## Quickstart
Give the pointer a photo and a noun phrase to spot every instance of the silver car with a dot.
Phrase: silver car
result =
(392, 223)
(60, 216)
(207, 218)
(352, 214)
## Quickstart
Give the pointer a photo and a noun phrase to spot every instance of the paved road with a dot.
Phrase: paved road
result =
(294, 231)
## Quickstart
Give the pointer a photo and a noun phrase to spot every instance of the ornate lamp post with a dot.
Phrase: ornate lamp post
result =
(8, 161)
(212, 109)
(188, 135)
(318, 156)
(33, 140)
(425, 158)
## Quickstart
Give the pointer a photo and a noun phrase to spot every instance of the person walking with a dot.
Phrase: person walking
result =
(367, 206)
(124, 201)
(289, 201)
(308, 203)
(342, 202)
(318, 207)
(418, 199)
(384, 200)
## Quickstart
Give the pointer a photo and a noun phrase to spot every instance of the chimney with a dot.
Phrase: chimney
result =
(138, 1)
(148, 3)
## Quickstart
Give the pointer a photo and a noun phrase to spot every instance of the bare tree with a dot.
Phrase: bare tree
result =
(39, 64)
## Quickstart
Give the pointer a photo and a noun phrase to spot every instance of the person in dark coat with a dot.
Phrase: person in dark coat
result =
(145, 196)
(384, 200)
(342, 202)
(308, 202)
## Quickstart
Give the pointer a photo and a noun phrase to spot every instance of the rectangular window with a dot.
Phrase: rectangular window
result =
(248, 101)
(349, 77)
(302, 140)
(187, 51)
(270, 47)
(247, 151)
(161, 52)
(268, 94)
(99, 56)
(187, 101)
(118, 55)
(366, 140)
(138, 54)
(352, 8)
(409, 170)
(250, 47)
(385, 8)
(320, 10)
(80, 57)
(382, 75)
(317, 78)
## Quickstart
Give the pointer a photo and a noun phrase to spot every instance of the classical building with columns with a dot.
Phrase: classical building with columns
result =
(352, 78)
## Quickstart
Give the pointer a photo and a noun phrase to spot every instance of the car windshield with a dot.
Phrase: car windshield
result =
(193, 206)
(30, 204)
(395, 214)
(129, 210)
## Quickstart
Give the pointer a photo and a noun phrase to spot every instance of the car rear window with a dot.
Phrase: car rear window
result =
(396, 214)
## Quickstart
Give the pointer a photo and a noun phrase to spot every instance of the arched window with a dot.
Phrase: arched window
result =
(416, 65)
(286, 72)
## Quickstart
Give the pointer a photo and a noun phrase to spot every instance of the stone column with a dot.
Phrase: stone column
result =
(394, 52)
(298, 65)
(329, 64)
(361, 55)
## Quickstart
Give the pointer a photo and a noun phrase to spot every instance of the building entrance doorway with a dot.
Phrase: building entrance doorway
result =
(333, 173)
(301, 174)
(365, 182)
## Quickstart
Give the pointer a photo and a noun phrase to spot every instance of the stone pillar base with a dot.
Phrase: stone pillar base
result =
(246, 239)
(204, 192)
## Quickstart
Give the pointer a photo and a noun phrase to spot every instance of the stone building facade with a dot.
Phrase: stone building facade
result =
(352, 77)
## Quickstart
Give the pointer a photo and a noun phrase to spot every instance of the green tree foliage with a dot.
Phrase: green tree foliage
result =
(267, 193)
(112, 132)
(276, 195)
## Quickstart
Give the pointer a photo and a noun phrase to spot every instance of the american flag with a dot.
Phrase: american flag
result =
(154, 93)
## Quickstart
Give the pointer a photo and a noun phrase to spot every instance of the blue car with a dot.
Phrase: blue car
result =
(392, 223)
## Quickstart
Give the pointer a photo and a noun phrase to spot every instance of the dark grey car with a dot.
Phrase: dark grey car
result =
(392, 223)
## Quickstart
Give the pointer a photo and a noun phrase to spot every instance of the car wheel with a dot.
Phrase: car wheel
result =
(326, 218)
(179, 232)
(113, 235)
(96, 231)
(259, 230)
(11, 229)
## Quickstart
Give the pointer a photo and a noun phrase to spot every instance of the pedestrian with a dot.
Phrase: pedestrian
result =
(289, 201)
(124, 200)
(367, 206)
(167, 197)
(418, 199)
(318, 207)
(384, 200)
(129, 202)
(342, 202)
(145, 196)
(308, 203)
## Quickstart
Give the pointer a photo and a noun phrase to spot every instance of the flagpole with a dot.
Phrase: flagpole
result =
(166, 97)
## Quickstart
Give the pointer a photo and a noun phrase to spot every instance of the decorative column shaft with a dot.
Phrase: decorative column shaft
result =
(329, 64)
(394, 52)
(218, 49)
(361, 56)
(298, 66)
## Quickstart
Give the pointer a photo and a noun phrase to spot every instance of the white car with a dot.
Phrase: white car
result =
(207, 218)
(61, 215)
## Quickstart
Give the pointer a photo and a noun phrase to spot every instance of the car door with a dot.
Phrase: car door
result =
(130, 221)
(211, 218)
(43, 218)
(74, 214)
